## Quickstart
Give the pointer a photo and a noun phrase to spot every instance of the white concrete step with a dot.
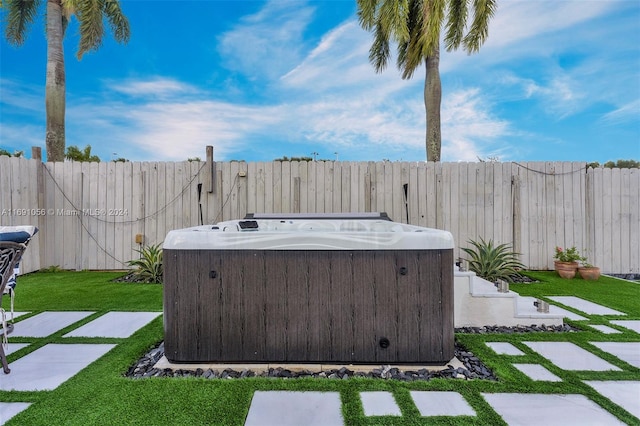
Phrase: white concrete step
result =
(478, 303)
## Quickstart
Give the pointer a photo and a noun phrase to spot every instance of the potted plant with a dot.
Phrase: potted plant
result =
(587, 271)
(566, 262)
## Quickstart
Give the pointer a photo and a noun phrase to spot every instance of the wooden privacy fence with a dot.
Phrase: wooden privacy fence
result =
(90, 213)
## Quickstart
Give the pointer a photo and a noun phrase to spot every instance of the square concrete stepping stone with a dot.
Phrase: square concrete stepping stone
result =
(604, 329)
(504, 348)
(14, 347)
(568, 356)
(633, 325)
(627, 351)
(432, 403)
(622, 392)
(114, 324)
(518, 409)
(15, 314)
(537, 372)
(285, 408)
(10, 409)
(585, 306)
(379, 404)
(51, 365)
(47, 323)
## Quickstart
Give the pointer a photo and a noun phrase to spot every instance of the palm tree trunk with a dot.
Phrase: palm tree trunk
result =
(432, 98)
(55, 83)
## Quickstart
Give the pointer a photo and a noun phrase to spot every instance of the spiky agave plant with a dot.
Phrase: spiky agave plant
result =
(149, 265)
(493, 262)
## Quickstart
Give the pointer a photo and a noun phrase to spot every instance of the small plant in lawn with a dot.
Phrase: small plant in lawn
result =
(52, 268)
(149, 265)
(493, 262)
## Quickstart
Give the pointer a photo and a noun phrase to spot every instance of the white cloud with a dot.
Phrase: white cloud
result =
(519, 20)
(629, 112)
(20, 137)
(469, 130)
(21, 97)
(268, 43)
(560, 93)
(154, 86)
(173, 129)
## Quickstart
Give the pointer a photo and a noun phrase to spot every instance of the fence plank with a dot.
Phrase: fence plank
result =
(634, 221)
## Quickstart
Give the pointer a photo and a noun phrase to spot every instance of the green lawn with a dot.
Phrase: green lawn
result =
(100, 394)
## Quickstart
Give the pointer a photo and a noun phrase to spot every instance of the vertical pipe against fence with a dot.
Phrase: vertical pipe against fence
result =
(211, 170)
(515, 191)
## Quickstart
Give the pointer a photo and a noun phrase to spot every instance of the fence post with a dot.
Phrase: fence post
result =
(36, 153)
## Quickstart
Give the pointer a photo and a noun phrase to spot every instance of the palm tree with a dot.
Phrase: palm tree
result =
(91, 15)
(415, 26)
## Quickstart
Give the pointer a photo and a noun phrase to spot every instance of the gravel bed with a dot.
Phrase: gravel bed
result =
(496, 329)
(473, 367)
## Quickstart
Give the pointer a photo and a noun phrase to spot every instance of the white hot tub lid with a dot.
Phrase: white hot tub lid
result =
(308, 234)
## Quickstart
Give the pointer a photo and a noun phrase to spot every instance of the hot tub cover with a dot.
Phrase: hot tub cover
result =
(308, 234)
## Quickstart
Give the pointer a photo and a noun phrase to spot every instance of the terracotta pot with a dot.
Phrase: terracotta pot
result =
(590, 274)
(566, 270)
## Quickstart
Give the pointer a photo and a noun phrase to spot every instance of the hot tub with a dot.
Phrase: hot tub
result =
(303, 289)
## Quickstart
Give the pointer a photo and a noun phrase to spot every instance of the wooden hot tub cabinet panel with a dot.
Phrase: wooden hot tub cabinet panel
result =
(309, 306)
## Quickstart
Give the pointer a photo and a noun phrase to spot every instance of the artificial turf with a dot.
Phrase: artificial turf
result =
(102, 395)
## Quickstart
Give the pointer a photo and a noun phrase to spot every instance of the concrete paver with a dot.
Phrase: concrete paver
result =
(433, 403)
(286, 408)
(605, 329)
(379, 404)
(627, 351)
(114, 324)
(15, 314)
(14, 347)
(585, 306)
(625, 393)
(569, 356)
(633, 325)
(46, 323)
(504, 348)
(51, 365)
(10, 409)
(549, 409)
(537, 372)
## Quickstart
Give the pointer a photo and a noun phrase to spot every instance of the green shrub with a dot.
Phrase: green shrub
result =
(52, 268)
(492, 263)
(149, 265)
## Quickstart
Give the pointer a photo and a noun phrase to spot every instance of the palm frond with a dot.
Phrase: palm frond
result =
(433, 12)
(379, 52)
(479, 31)
(20, 15)
(367, 12)
(456, 23)
(89, 13)
(117, 21)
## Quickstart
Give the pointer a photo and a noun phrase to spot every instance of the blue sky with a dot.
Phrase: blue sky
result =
(258, 80)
